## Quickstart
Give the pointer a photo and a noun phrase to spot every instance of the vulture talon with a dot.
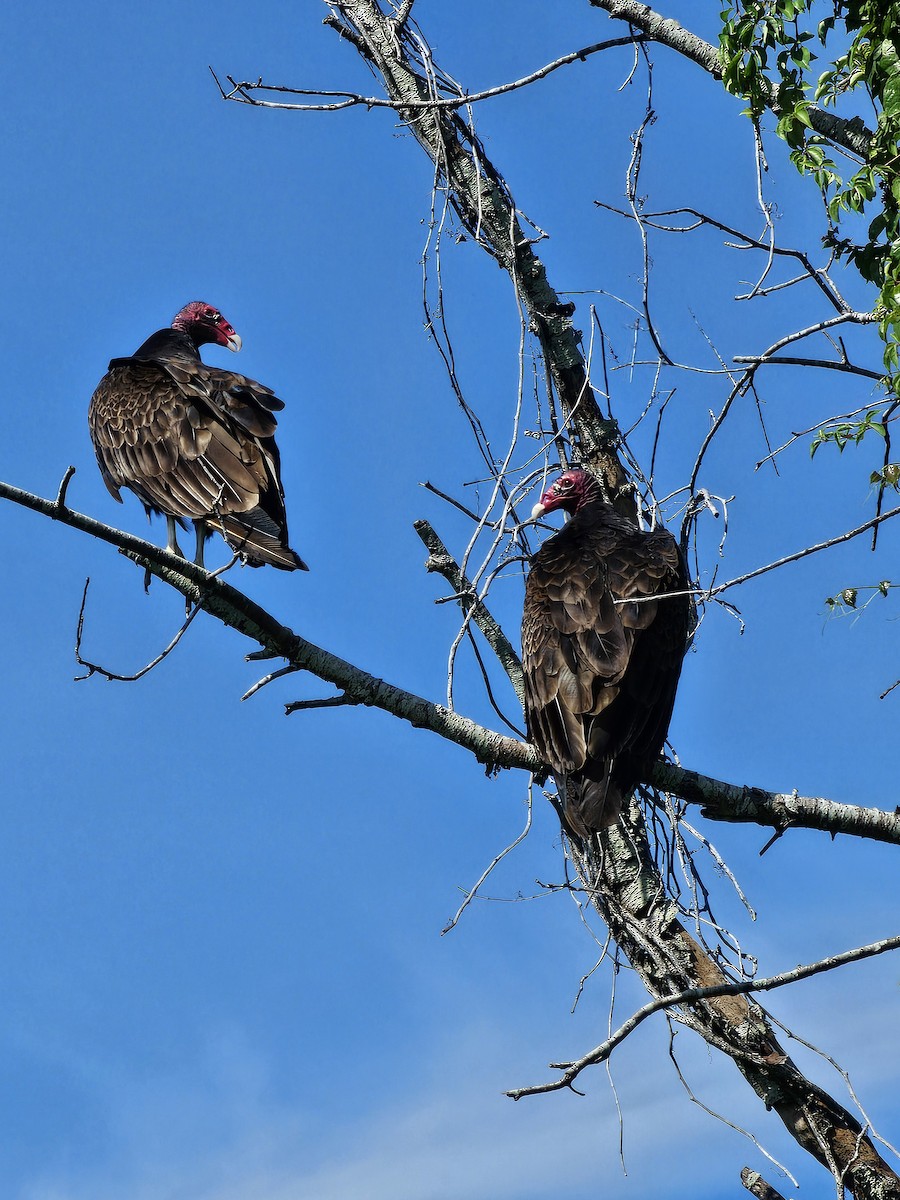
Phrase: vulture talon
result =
(201, 533)
(172, 538)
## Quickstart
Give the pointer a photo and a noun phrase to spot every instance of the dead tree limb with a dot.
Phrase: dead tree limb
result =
(230, 606)
(782, 811)
(720, 801)
(851, 134)
(484, 204)
(617, 867)
(744, 987)
(441, 561)
(630, 894)
(246, 91)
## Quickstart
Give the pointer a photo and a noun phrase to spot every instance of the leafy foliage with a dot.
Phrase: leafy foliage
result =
(847, 600)
(843, 433)
(768, 60)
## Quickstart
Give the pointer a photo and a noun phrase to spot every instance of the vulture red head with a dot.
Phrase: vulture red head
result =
(203, 323)
(571, 491)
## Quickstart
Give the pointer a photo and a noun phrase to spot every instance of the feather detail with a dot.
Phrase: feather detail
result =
(603, 639)
(194, 442)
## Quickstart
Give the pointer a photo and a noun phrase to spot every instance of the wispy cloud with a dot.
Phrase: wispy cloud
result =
(216, 1132)
(453, 1137)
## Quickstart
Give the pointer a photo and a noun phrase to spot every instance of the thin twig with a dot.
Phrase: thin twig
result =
(96, 669)
(441, 561)
(473, 516)
(717, 1116)
(692, 995)
(816, 275)
(63, 489)
(805, 553)
(342, 701)
(473, 892)
(244, 91)
(290, 669)
(823, 363)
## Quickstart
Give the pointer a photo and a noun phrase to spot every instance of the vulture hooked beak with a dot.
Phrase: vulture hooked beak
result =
(537, 511)
(233, 342)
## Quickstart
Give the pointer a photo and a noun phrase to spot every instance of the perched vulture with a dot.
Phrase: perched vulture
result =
(194, 442)
(602, 643)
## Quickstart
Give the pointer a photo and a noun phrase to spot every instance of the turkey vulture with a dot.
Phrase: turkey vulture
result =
(194, 442)
(603, 638)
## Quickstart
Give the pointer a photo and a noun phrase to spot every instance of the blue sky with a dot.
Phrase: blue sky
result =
(222, 970)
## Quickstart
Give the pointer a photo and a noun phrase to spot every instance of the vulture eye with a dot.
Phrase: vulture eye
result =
(212, 317)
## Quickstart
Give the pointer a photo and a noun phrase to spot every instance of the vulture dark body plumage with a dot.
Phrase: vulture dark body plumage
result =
(194, 442)
(603, 639)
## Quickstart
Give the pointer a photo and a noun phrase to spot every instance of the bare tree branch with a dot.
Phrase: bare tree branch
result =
(804, 553)
(245, 91)
(64, 487)
(290, 669)
(95, 668)
(688, 996)
(745, 382)
(485, 206)
(823, 363)
(618, 869)
(852, 135)
(757, 1186)
(729, 802)
(473, 891)
(441, 561)
(746, 242)
(233, 608)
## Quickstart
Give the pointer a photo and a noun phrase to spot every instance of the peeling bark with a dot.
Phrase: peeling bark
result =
(617, 867)
(630, 895)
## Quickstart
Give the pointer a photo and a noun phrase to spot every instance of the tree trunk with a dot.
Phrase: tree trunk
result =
(617, 867)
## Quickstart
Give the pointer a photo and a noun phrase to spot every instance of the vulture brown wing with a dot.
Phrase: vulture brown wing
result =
(602, 643)
(646, 574)
(195, 442)
(243, 409)
(574, 647)
(146, 431)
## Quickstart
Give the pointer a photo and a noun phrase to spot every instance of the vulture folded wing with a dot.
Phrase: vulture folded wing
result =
(602, 643)
(142, 428)
(574, 649)
(257, 527)
(195, 443)
(647, 575)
